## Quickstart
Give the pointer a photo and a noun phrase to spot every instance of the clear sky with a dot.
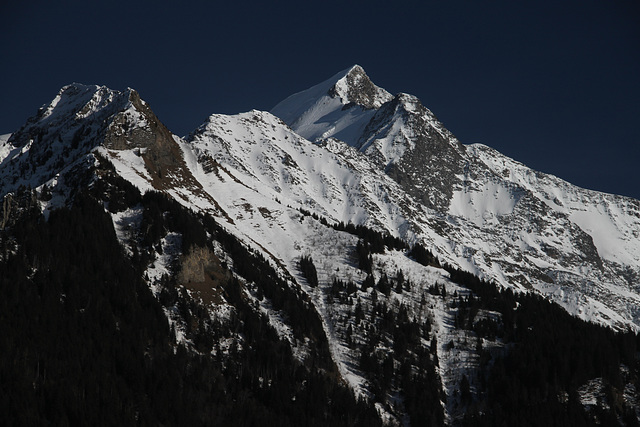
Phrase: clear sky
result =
(553, 84)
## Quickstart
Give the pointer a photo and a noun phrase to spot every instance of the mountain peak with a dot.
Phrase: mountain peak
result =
(80, 119)
(338, 107)
(78, 101)
(355, 87)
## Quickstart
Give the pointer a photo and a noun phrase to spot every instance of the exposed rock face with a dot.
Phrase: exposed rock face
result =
(402, 137)
(125, 132)
(13, 206)
(356, 88)
(139, 128)
(196, 265)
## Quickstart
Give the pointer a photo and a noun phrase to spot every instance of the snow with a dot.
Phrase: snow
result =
(612, 221)
(171, 248)
(503, 220)
(259, 151)
(126, 225)
(77, 101)
(317, 114)
(608, 225)
(7, 150)
(391, 141)
(297, 104)
(130, 166)
(483, 206)
(592, 394)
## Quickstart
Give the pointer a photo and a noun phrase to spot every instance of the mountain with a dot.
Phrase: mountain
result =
(488, 214)
(343, 259)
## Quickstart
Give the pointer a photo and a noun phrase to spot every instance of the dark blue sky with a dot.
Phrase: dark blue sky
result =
(553, 84)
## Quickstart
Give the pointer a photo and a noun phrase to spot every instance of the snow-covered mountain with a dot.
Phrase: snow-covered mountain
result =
(347, 178)
(487, 213)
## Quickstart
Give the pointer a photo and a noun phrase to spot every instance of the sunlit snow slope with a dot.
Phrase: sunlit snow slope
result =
(487, 213)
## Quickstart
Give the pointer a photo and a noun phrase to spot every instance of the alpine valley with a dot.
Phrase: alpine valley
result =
(340, 260)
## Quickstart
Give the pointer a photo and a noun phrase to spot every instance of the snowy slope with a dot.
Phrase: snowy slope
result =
(612, 221)
(491, 215)
(263, 154)
(339, 107)
(5, 148)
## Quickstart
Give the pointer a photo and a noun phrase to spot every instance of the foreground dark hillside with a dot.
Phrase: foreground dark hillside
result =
(84, 342)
